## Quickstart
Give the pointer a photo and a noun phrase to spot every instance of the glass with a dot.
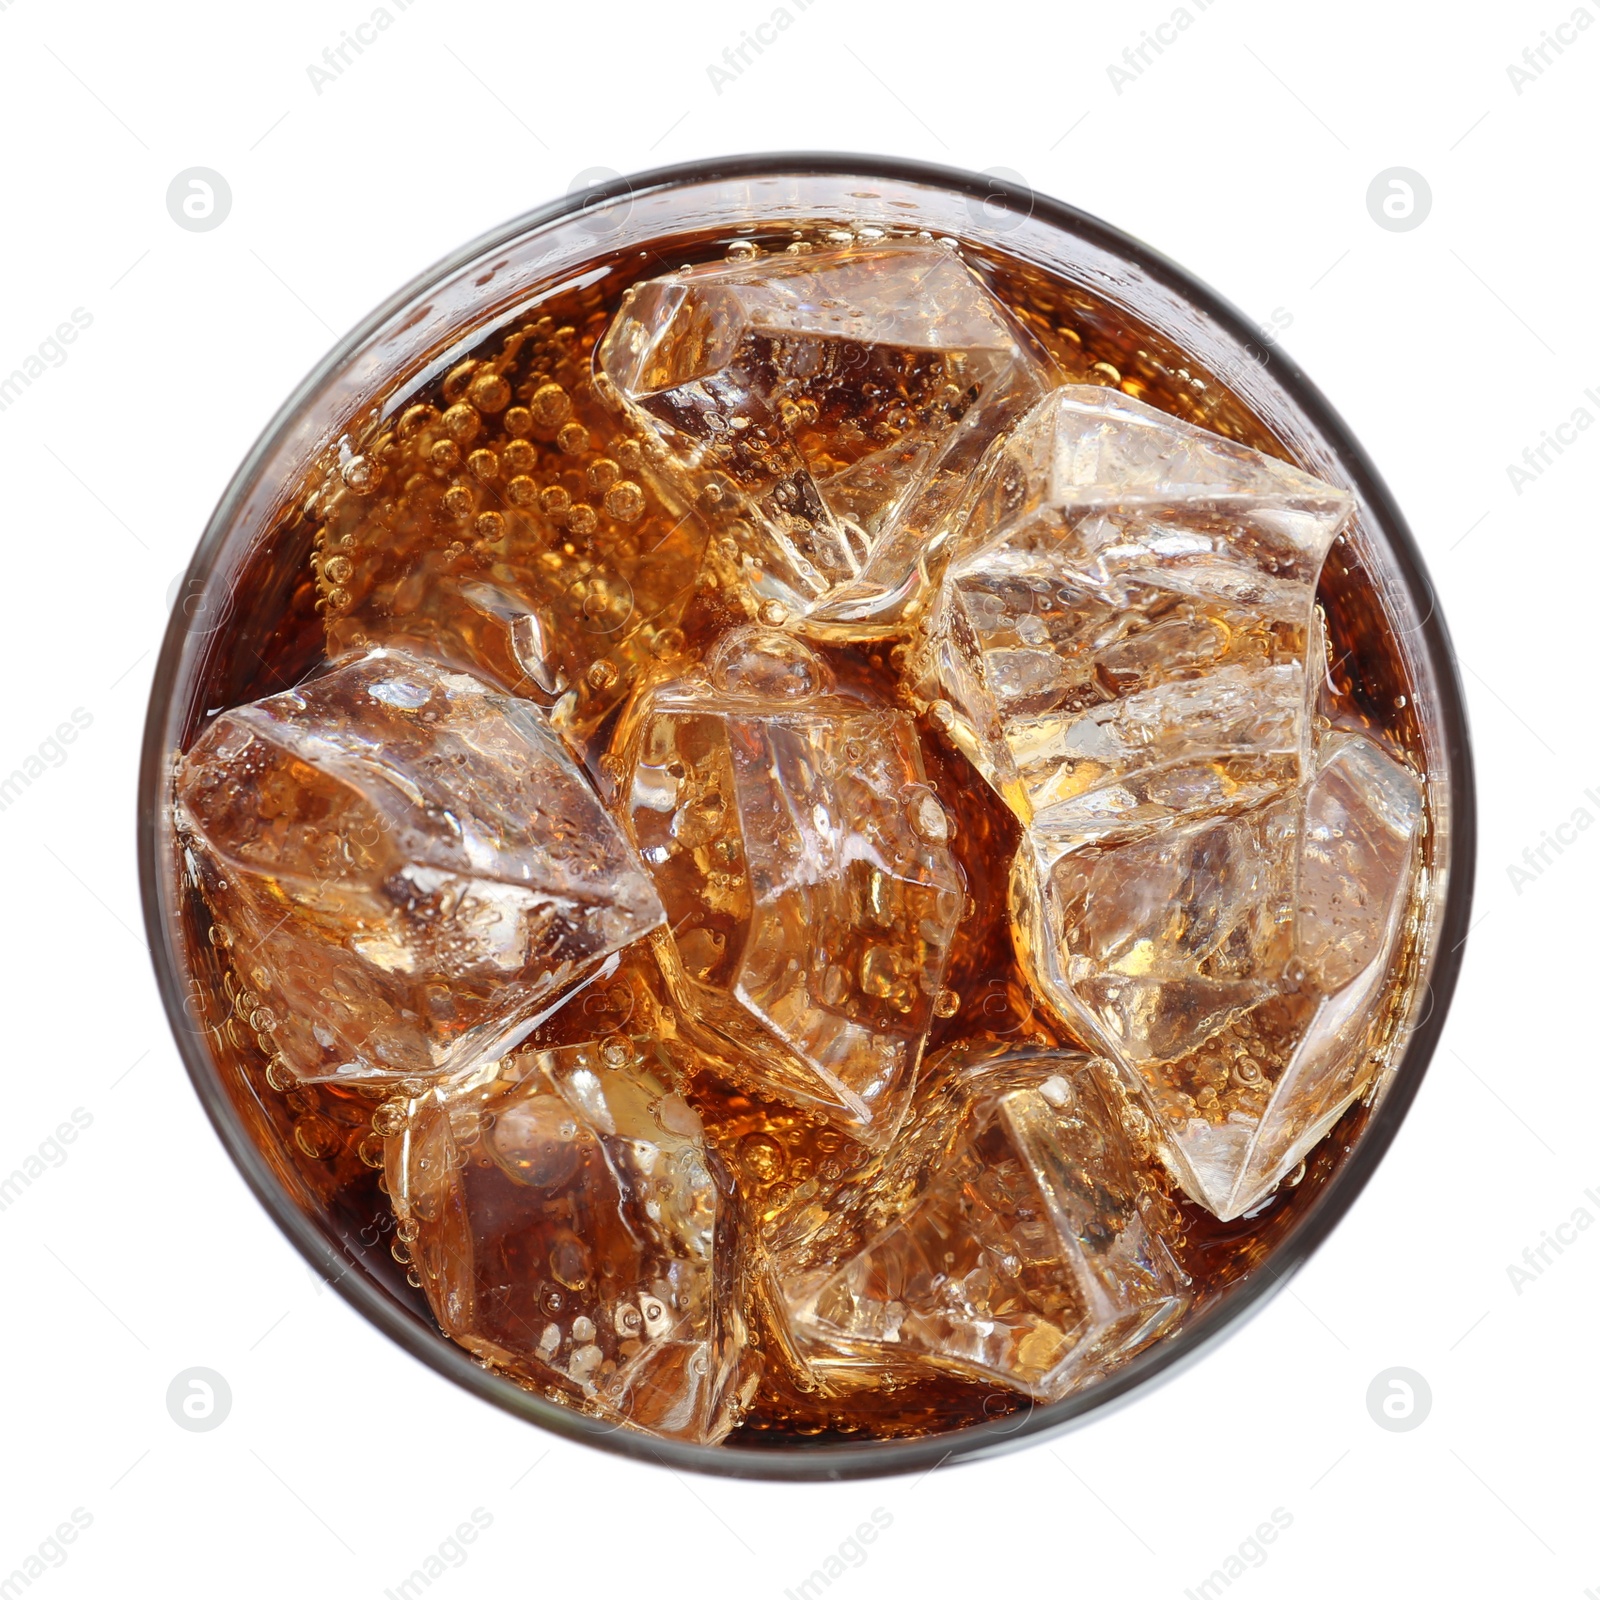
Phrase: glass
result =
(248, 599)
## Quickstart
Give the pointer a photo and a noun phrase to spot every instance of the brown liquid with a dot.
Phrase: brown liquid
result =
(541, 483)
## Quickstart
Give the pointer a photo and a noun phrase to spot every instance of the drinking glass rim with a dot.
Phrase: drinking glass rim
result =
(868, 1458)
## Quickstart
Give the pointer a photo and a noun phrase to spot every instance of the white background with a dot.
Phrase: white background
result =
(1244, 151)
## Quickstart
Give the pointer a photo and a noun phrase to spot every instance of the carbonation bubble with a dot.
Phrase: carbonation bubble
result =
(462, 423)
(489, 392)
(551, 404)
(625, 502)
(766, 663)
(762, 1157)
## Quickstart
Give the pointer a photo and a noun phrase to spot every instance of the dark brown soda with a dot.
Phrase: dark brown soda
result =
(422, 499)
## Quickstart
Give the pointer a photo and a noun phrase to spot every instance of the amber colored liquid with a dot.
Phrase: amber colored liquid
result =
(325, 1142)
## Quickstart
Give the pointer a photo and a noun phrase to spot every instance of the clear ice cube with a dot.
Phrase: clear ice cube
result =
(1121, 637)
(805, 866)
(411, 864)
(570, 1228)
(848, 395)
(1162, 939)
(1029, 1254)
(1234, 967)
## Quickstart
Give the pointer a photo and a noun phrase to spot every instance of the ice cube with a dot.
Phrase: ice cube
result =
(411, 864)
(570, 1228)
(1028, 1254)
(848, 395)
(1158, 940)
(1234, 967)
(805, 866)
(1122, 635)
